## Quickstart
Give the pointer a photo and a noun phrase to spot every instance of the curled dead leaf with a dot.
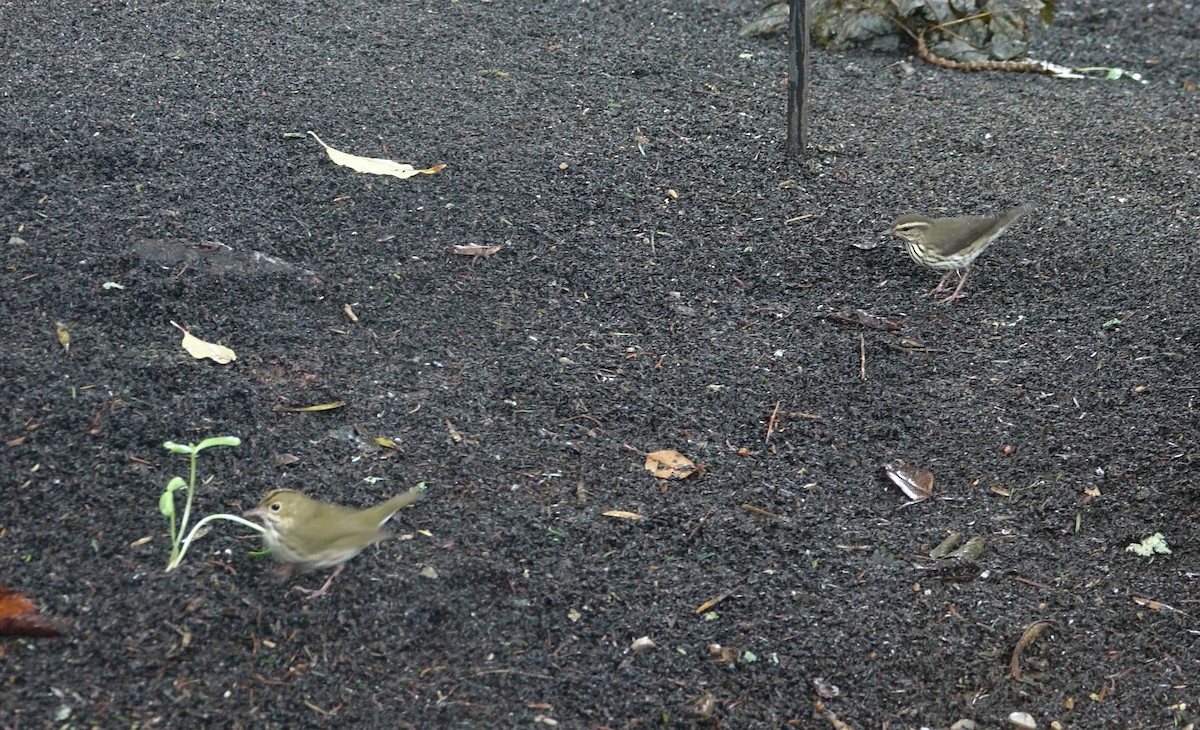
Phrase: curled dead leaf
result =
(917, 484)
(969, 552)
(1154, 605)
(703, 708)
(946, 546)
(374, 165)
(860, 317)
(1028, 637)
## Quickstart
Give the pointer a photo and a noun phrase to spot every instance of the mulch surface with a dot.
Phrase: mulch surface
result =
(668, 280)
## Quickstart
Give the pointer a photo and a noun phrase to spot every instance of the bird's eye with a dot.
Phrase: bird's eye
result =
(275, 506)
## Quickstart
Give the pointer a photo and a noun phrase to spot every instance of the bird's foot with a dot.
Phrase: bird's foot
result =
(941, 288)
(951, 298)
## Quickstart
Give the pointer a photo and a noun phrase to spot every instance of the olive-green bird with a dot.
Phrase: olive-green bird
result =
(309, 535)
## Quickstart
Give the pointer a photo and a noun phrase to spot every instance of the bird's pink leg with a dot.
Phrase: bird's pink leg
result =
(941, 287)
(962, 279)
(311, 594)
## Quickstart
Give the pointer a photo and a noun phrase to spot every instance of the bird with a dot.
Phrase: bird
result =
(307, 534)
(951, 244)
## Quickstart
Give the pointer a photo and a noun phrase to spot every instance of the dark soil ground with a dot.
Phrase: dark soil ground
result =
(664, 282)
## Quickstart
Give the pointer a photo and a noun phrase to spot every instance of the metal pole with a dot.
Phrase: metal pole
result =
(797, 113)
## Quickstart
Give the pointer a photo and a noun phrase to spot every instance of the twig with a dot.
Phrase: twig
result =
(759, 511)
(714, 601)
(1027, 638)
(862, 356)
(771, 423)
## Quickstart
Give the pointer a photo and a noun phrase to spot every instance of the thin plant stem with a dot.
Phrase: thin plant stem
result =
(175, 561)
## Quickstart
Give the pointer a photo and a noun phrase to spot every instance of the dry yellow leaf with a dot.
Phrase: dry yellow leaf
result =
(669, 464)
(474, 249)
(374, 165)
(200, 349)
(310, 409)
(63, 334)
(623, 514)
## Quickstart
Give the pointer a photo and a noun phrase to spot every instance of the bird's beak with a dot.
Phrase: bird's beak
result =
(256, 512)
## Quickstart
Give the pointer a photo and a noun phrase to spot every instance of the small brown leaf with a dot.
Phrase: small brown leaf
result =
(286, 459)
(721, 654)
(669, 464)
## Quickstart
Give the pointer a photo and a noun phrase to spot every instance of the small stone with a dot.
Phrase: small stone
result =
(642, 644)
(1022, 721)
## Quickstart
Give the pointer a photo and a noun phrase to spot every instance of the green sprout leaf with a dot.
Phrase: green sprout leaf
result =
(218, 441)
(166, 502)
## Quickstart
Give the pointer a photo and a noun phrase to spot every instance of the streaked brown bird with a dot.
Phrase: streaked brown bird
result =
(309, 535)
(951, 244)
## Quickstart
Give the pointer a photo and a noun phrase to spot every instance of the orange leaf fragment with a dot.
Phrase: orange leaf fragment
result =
(20, 617)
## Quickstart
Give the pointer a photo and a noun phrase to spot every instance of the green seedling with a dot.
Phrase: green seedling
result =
(166, 503)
